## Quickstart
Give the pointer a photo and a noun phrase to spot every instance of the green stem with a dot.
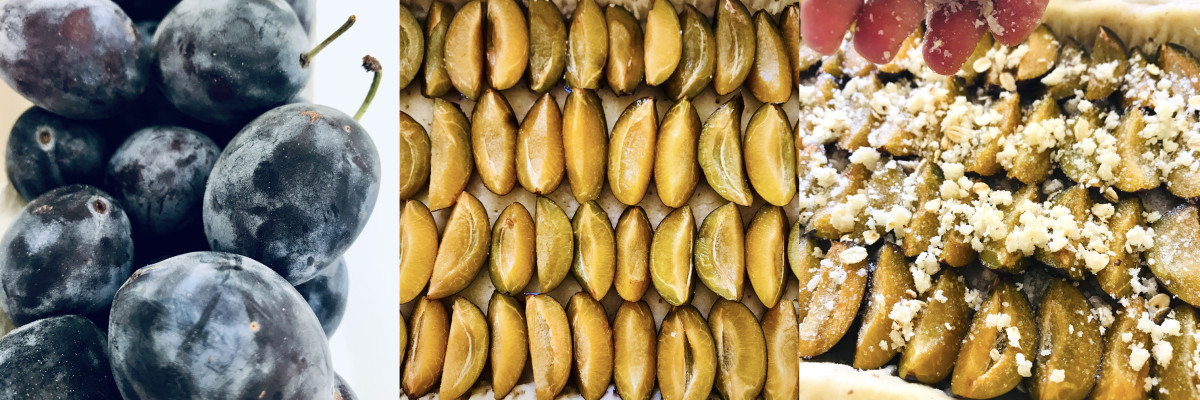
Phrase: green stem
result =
(306, 58)
(371, 65)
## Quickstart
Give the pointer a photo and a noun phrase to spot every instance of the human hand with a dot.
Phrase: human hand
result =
(953, 26)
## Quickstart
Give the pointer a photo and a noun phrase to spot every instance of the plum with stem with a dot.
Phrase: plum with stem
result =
(295, 187)
(158, 174)
(227, 61)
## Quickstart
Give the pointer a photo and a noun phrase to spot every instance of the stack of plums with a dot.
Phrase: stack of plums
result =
(186, 213)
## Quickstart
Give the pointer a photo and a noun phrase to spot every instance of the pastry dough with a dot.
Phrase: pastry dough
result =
(821, 380)
(1139, 23)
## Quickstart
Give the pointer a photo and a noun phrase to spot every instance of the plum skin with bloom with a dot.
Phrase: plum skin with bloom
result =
(64, 357)
(210, 325)
(66, 252)
(158, 174)
(80, 59)
(227, 61)
(293, 189)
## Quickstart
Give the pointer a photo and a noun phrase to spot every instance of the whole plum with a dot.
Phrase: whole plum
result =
(46, 151)
(159, 174)
(293, 189)
(80, 58)
(67, 252)
(326, 294)
(63, 358)
(210, 325)
(227, 61)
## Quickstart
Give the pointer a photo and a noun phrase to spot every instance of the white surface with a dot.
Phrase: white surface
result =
(1147, 24)
(365, 347)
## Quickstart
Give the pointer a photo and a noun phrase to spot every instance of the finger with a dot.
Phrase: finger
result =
(823, 23)
(954, 29)
(1014, 20)
(883, 25)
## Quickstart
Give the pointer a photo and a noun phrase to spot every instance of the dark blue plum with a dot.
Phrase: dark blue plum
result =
(158, 175)
(153, 108)
(342, 391)
(293, 189)
(62, 358)
(46, 151)
(146, 10)
(227, 61)
(210, 325)
(326, 295)
(80, 58)
(305, 11)
(67, 252)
